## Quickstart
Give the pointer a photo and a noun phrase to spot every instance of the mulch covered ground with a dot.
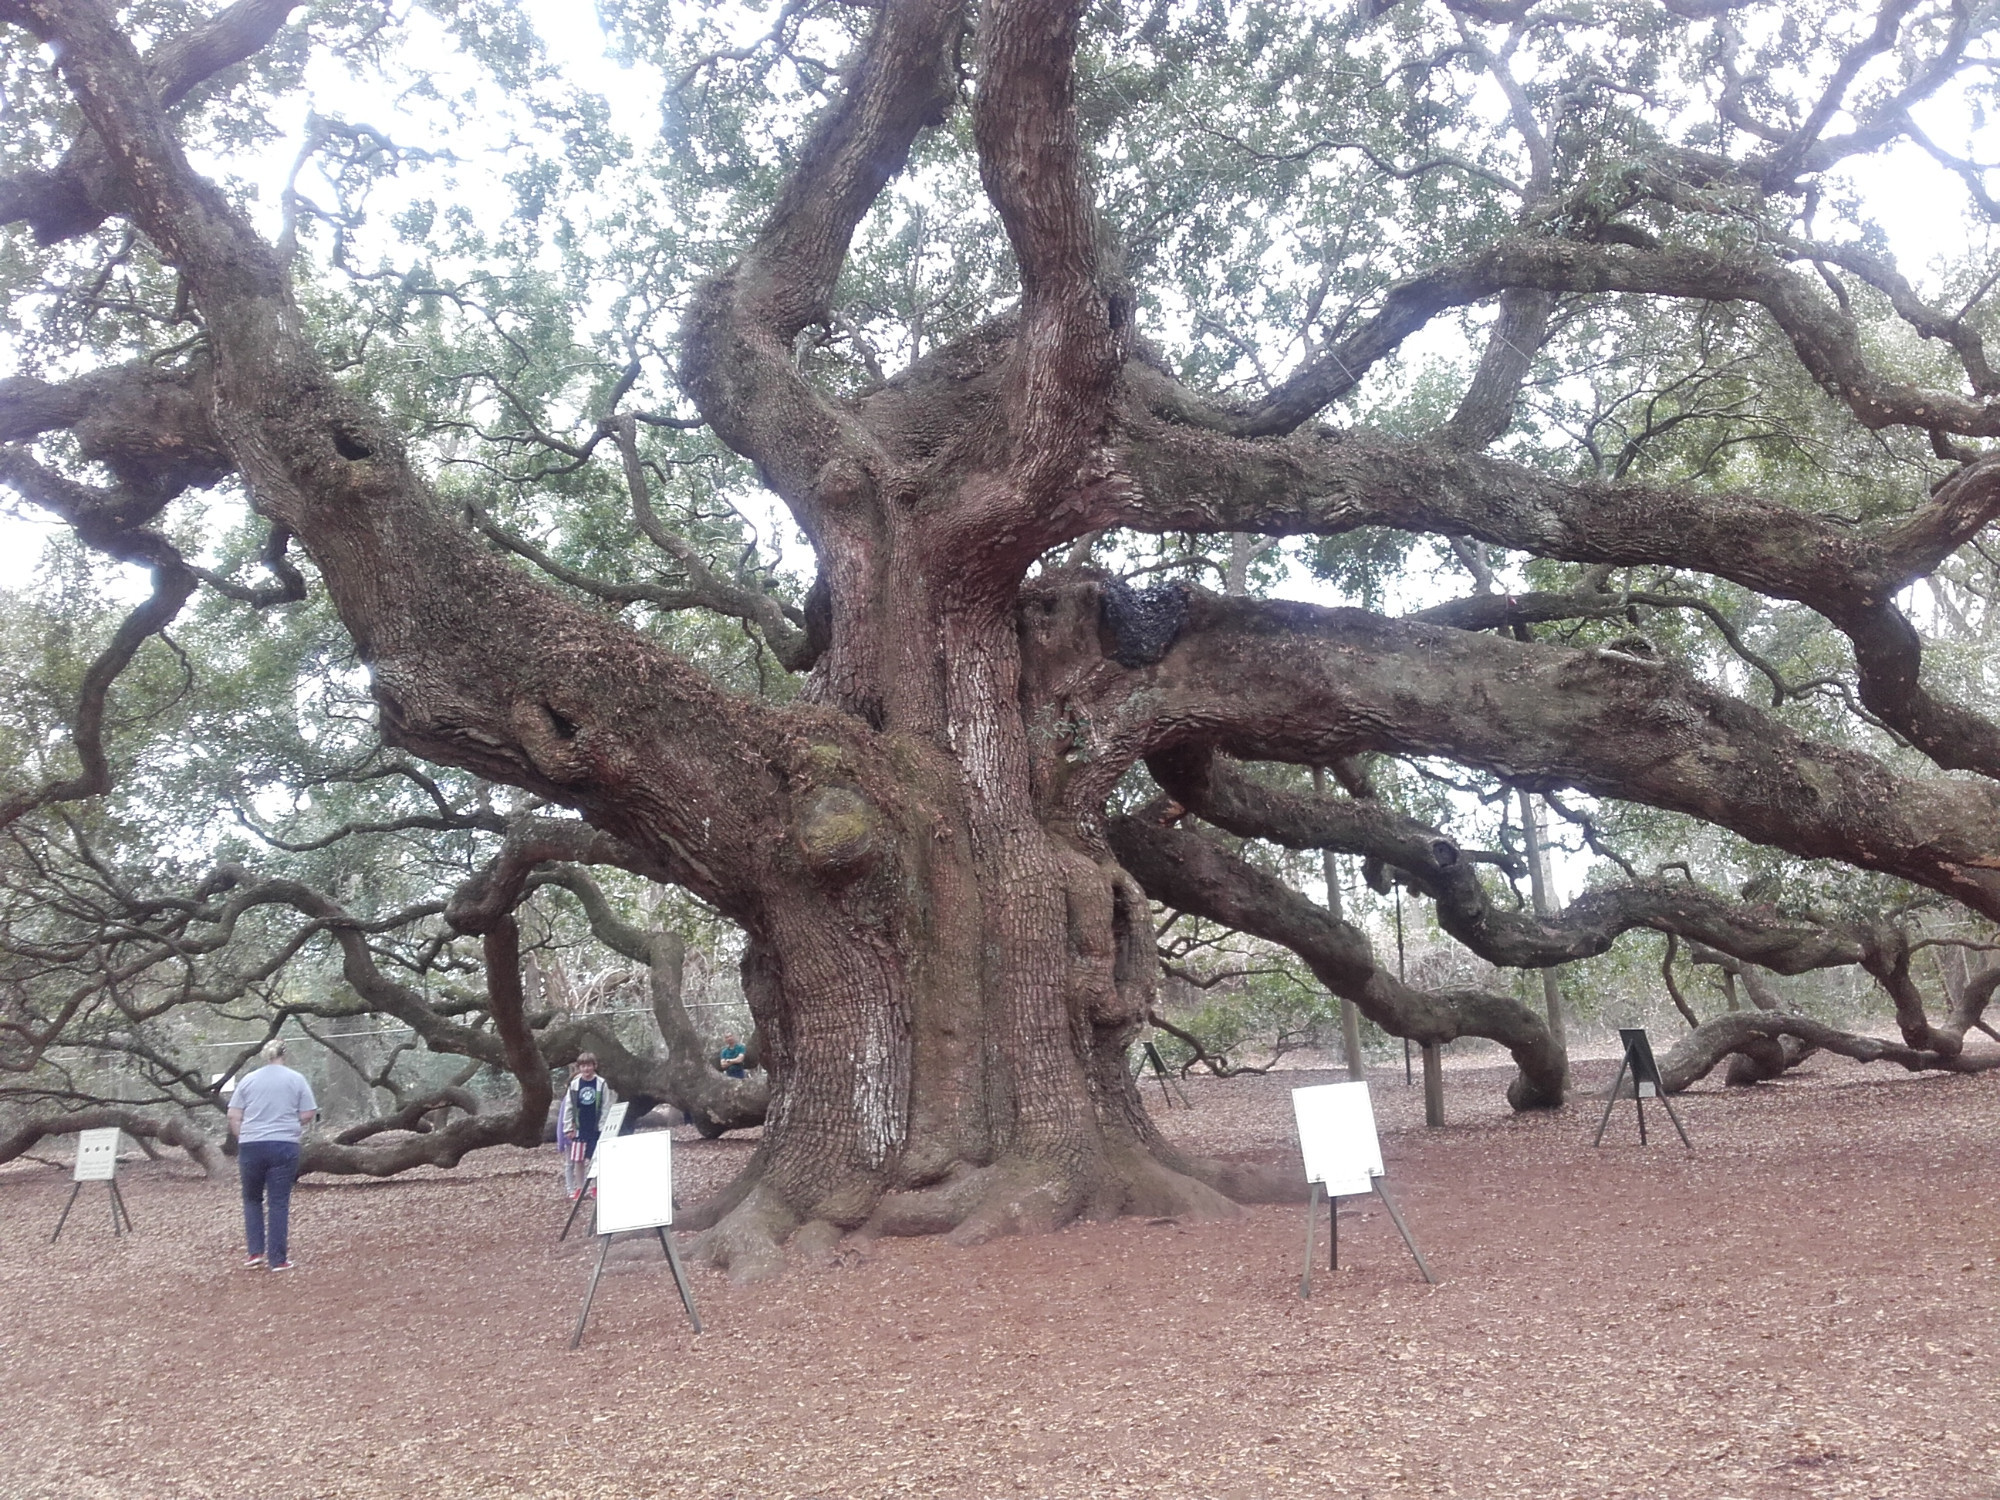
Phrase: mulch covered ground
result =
(1808, 1306)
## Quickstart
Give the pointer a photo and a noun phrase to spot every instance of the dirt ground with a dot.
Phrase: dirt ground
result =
(1807, 1306)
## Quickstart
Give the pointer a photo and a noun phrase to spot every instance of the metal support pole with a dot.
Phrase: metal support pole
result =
(1382, 1192)
(65, 1213)
(603, 1249)
(1611, 1100)
(1313, 1191)
(118, 1199)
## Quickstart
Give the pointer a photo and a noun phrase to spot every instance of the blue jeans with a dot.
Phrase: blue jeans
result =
(268, 1169)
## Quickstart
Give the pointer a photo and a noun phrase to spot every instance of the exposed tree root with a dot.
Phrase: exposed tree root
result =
(748, 1240)
(1247, 1182)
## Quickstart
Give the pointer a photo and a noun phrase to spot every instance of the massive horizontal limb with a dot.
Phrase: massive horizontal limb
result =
(1695, 1055)
(1177, 477)
(1279, 681)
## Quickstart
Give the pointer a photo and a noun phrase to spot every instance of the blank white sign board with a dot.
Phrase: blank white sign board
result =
(96, 1155)
(614, 1121)
(1337, 1137)
(635, 1182)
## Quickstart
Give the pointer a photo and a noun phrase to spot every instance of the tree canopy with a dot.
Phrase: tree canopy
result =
(912, 517)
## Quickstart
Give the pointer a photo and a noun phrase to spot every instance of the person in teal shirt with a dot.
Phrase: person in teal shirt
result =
(733, 1057)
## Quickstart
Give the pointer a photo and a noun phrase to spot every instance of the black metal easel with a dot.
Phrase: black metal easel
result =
(1159, 1065)
(1315, 1192)
(118, 1210)
(1638, 1061)
(680, 1283)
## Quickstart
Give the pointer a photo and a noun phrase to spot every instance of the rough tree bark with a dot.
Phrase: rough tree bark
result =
(950, 945)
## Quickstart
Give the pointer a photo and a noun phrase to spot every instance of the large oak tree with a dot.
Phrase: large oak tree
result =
(1219, 226)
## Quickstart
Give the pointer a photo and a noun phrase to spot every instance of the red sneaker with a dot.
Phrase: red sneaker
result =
(254, 1263)
(283, 1265)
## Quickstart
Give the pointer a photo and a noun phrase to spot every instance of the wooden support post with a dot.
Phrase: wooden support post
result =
(1433, 1084)
(1539, 890)
(1350, 1014)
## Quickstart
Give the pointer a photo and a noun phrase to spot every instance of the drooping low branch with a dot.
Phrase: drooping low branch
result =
(1222, 793)
(446, 1146)
(167, 1129)
(1741, 1031)
(684, 1077)
(171, 587)
(1194, 872)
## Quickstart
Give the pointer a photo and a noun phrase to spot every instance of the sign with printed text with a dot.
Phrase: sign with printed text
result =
(614, 1121)
(1337, 1137)
(96, 1155)
(635, 1182)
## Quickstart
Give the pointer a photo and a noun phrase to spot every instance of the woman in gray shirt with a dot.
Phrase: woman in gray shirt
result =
(268, 1114)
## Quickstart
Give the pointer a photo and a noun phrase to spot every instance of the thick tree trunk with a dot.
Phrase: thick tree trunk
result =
(947, 986)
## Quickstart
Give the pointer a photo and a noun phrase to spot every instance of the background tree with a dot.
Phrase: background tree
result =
(1007, 309)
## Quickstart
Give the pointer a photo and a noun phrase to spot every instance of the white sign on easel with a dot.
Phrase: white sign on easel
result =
(635, 1184)
(1343, 1159)
(614, 1121)
(97, 1161)
(635, 1190)
(96, 1155)
(1337, 1138)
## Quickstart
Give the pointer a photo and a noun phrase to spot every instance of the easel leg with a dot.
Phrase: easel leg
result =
(680, 1278)
(118, 1198)
(1610, 1102)
(1672, 1115)
(1382, 1192)
(1332, 1233)
(575, 1204)
(116, 1228)
(65, 1213)
(604, 1249)
(1312, 1223)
